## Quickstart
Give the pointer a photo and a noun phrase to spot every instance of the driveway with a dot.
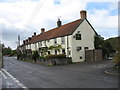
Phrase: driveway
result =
(80, 75)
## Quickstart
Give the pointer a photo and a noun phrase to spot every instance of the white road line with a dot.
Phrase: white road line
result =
(3, 75)
(15, 80)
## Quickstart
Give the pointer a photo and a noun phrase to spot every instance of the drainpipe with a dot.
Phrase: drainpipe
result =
(67, 47)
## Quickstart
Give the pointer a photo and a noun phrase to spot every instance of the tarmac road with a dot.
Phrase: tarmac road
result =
(80, 75)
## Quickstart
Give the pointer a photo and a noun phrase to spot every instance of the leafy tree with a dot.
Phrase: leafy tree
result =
(107, 48)
(7, 51)
(98, 42)
(55, 47)
(35, 56)
(115, 42)
(105, 45)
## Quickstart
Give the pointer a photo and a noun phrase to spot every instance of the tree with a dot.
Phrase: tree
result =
(98, 41)
(55, 47)
(107, 48)
(7, 51)
(35, 55)
(105, 45)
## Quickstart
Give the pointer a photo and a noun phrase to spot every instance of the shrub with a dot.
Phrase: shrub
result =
(60, 56)
(41, 58)
(50, 56)
(35, 55)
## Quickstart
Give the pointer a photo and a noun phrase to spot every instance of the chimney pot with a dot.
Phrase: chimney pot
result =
(29, 38)
(24, 42)
(59, 23)
(83, 14)
(42, 30)
(34, 33)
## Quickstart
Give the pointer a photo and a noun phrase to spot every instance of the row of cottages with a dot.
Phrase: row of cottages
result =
(74, 37)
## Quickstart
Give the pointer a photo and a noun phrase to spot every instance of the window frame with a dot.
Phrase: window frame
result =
(78, 36)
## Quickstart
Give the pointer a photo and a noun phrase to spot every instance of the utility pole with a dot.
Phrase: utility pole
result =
(18, 40)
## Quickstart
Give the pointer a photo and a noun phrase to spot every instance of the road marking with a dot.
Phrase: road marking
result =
(15, 80)
(3, 75)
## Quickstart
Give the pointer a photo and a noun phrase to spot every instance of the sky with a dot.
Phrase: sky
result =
(24, 17)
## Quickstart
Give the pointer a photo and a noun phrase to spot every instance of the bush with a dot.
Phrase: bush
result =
(60, 56)
(41, 58)
(35, 55)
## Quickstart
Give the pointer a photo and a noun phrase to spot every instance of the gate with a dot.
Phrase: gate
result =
(93, 55)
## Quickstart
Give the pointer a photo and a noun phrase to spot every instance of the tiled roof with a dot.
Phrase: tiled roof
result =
(63, 30)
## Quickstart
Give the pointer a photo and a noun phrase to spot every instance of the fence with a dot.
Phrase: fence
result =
(93, 55)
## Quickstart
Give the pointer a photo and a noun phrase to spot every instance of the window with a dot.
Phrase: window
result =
(40, 43)
(78, 36)
(45, 43)
(55, 52)
(48, 52)
(79, 48)
(63, 40)
(55, 40)
(86, 48)
(63, 51)
(80, 57)
(69, 52)
(35, 45)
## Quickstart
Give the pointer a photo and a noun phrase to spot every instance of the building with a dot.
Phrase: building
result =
(74, 38)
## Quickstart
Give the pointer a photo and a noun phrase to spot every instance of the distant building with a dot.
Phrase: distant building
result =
(74, 37)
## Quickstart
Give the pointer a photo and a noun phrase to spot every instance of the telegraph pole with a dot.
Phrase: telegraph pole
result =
(18, 40)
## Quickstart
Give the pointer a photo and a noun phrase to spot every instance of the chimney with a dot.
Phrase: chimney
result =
(29, 38)
(24, 42)
(83, 14)
(42, 30)
(59, 23)
(34, 33)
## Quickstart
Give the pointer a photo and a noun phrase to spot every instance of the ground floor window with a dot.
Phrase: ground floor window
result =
(55, 52)
(63, 51)
(48, 52)
(86, 48)
(80, 57)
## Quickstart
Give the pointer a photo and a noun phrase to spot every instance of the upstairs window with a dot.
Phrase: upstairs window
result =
(63, 40)
(55, 40)
(78, 36)
(40, 43)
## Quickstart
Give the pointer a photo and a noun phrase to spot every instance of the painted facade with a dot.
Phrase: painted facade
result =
(74, 38)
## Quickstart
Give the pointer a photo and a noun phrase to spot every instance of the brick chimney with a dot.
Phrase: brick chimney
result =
(29, 38)
(24, 42)
(83, 14)
(42, 30)
(59, 23)
(34, 33)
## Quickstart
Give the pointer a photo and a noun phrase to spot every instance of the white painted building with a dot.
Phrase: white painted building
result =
(74, 37)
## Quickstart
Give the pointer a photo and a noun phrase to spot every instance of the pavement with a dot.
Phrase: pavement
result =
(112, 71)
(19, 74)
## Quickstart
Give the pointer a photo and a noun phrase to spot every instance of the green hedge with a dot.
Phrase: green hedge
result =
(60, 56)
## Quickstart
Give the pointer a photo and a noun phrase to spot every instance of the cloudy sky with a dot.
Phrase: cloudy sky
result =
(24, 17)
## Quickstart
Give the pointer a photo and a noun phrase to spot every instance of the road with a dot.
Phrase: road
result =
(80, 75)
